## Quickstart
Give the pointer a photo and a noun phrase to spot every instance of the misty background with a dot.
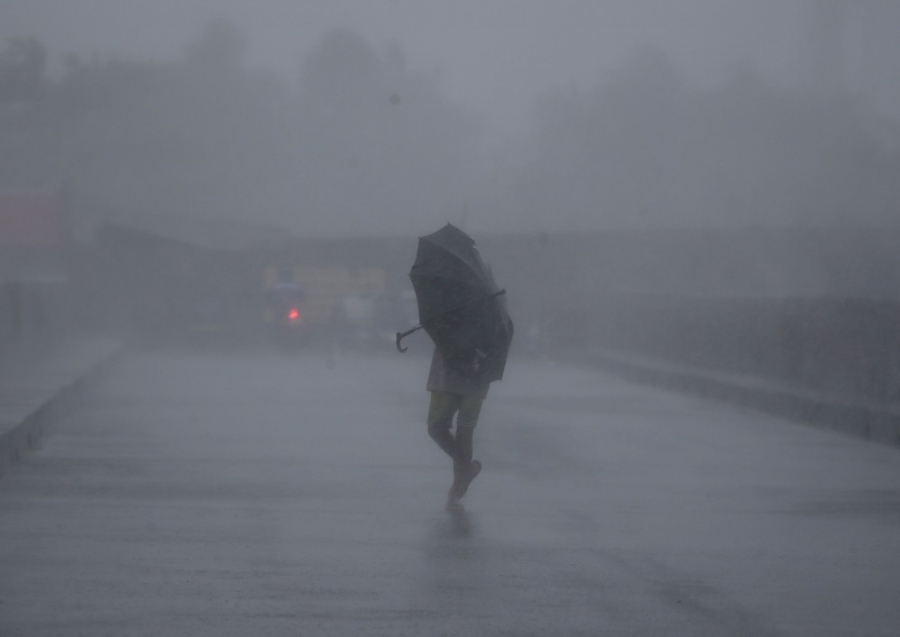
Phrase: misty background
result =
(208, 214)
(711, 182)
(387, 118)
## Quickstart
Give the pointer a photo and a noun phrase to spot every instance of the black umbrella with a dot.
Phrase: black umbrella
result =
(460, 305)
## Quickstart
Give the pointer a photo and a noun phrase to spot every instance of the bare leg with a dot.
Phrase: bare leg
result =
(440, 433)
(463, 451)
(464, 468)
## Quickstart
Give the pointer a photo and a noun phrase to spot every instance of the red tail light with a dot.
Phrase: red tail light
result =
(294, 314)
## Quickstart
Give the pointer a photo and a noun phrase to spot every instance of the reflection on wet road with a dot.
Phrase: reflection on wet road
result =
(229, 495)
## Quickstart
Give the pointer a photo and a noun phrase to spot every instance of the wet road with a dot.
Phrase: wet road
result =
(226, 495)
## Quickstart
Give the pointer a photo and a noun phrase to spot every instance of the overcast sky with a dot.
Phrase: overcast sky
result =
(495, 55)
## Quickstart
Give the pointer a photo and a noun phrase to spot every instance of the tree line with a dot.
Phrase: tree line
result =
(365, 144)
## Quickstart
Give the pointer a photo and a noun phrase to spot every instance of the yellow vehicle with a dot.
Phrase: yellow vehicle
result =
(335, 301)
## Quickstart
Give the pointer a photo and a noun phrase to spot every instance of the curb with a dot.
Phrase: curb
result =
(877, 423)
(26, 435)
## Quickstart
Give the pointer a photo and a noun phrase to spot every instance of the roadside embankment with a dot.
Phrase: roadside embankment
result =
(872, 421)
(36, 388)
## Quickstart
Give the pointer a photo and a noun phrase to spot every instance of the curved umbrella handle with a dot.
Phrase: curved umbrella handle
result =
(402, 335)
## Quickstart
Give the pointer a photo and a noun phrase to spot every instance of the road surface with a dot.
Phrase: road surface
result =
(203, 494)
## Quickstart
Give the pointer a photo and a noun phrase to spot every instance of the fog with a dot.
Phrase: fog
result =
(599, 152)
(209, 210)
(693, 149)
(388, 118)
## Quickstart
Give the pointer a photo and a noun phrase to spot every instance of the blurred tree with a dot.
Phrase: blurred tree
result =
(24, 131)
(648, 149)
(22, 65)
(382, 149)
(220, 48)
(366, 144)
(603, 158)
(201, 137)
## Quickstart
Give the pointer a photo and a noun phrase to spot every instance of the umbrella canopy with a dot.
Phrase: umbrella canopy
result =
(460, 305)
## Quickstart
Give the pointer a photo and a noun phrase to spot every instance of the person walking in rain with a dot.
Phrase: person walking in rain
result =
(464, 312)
(456, 390)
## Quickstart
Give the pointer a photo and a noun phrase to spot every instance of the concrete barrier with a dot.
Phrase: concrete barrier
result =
(875, 422)
(31, 399)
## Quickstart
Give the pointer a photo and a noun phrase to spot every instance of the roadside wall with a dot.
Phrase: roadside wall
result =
(817, 308)
(839, 346)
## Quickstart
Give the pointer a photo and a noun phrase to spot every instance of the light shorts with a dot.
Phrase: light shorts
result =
(444, 405)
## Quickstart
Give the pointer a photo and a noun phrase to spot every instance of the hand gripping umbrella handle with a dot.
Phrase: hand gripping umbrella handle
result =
(402, 335)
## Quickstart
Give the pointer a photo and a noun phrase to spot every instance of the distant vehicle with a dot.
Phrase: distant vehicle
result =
(284, 312)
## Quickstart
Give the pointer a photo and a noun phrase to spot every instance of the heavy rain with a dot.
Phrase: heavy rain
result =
(401, 317)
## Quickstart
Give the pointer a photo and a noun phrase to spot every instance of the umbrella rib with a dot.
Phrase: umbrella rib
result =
(469, 266)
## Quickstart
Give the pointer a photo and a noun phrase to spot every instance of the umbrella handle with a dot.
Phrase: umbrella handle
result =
(402, 335)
